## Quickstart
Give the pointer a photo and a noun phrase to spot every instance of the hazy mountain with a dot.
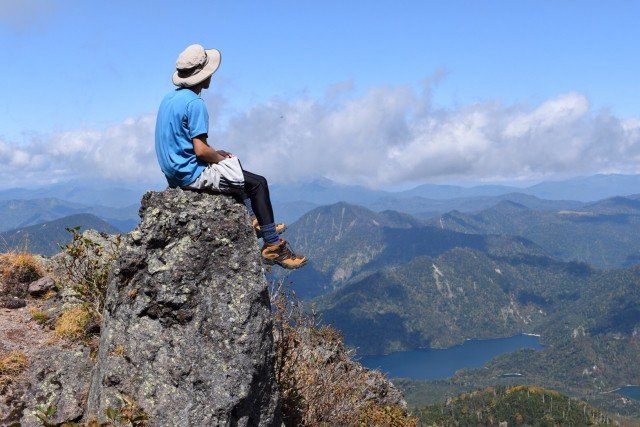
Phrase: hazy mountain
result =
(425, 201)
(587, 188)
(324, 192)
(441, 192)
(23, 213)
(602, 233)
(584, 189)
(44, 238)
(427, 208)
(293, 200)
(93, 193)
(344, 240)
(289, 212)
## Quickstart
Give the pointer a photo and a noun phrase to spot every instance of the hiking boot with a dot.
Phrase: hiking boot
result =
(279, 253)
(280, 228)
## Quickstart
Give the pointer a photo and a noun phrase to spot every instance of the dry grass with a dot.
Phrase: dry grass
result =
(320, 383)
(11, 366)
(19, 267)
(71, 324)
(38, 315)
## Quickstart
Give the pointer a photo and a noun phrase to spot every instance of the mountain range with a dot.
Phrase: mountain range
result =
(23, 213)
(291, 201)
(46, 238)
(602, 234)
(345, 241)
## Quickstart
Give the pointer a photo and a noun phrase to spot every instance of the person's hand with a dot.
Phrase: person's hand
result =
(225, 154)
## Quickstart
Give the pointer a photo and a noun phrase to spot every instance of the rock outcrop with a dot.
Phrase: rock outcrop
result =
(58, 378)
(187, 328)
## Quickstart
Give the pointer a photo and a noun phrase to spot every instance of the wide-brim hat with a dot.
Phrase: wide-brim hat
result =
(194, 65)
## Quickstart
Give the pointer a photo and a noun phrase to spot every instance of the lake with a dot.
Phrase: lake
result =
(432, 364)
(632, 391)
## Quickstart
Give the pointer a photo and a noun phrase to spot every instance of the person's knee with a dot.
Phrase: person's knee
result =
(260, 182)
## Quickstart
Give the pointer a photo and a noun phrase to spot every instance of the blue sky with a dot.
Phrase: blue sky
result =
(443, 89)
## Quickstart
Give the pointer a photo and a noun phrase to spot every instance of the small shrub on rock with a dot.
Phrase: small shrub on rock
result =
(84, 266)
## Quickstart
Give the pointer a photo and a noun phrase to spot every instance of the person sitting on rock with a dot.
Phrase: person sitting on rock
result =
(189, 162)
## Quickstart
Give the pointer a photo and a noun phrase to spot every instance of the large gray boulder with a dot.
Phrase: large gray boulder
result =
(187, 332)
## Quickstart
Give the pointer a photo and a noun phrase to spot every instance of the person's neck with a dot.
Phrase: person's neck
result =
(196, 89)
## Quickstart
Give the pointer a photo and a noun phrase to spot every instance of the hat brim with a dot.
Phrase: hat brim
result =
(213, 63)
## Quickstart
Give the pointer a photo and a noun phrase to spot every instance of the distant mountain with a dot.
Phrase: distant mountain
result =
(44, 238)
(440, 301)
(23, 213)
(602, 233)
(343, 241)
(291, 201)
(415, 202)
(325, 192)
(426, 208)
(584, 189)
(587, 188)
(93, 193)
(289, 212)
(443, 192)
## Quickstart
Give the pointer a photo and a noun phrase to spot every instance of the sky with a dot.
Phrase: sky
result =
(385, 94)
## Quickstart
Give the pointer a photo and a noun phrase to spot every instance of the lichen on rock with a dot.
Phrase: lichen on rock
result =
(187, 328)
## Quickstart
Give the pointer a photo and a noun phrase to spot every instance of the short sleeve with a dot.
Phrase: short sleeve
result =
(197, 118)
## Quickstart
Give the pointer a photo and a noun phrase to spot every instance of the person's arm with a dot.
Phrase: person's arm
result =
(205, 152)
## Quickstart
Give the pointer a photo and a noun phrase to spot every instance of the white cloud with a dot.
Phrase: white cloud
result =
(388, 136)
(393, 135)
(124, 152)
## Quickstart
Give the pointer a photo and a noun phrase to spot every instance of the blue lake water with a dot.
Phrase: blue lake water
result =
(632, 391)
(432, 364)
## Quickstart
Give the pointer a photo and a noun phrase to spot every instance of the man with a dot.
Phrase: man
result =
(188, 161)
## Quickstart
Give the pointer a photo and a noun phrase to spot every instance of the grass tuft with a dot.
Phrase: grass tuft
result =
(11, 365)
(38, 315)
(20, 267)
(71, 324)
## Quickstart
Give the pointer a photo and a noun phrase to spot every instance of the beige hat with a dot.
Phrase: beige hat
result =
(195, 65)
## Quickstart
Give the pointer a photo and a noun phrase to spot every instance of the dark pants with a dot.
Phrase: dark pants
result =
(257, 190)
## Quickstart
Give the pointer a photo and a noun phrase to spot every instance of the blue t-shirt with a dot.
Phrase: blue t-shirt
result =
(182, 116)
